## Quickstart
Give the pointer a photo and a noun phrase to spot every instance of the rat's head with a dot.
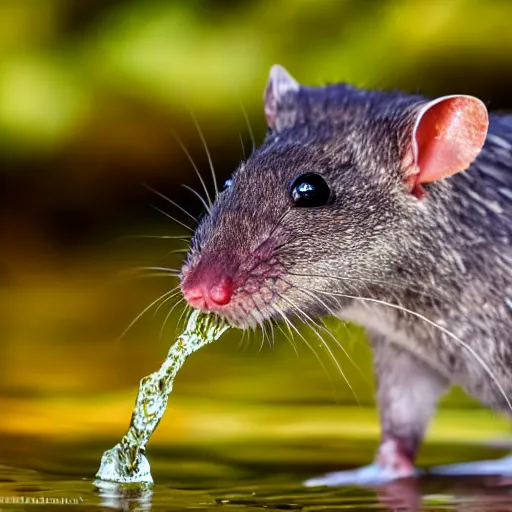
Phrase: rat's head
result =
(328, 203)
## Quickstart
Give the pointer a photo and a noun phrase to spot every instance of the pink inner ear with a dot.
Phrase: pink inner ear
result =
(449, 135)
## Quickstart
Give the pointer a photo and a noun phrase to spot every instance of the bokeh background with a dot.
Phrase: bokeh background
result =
(92, 96)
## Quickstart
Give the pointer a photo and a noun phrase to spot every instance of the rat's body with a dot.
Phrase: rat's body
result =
(424, 263)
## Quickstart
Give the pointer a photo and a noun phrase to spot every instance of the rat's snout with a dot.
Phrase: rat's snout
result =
(208, 296)
(207, 287)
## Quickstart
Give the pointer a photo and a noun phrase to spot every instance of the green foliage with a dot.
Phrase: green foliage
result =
(210, 56)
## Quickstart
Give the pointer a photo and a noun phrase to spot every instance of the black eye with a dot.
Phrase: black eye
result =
(310, 190)
(228, 183)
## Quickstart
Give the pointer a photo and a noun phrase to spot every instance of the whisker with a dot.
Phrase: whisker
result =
(155, 274)
(173, 218)
(210, 162)
(402, 286)
(173, 271)
(262, 325)
(183, 317)
(448, 333)
(263, 333)
(289, 339)
(135, 273)
(243, 145)
(296, 308)
(250, 336)
(177, 251)
(191, 160)
(266, 326)
(167, 316)
(199, 196)
(147, 308)
(326, 330)
(268, 323)
(176, 291)
(242, 344)
(290, 324)
(163, 237)
(290, 336)
(249, 128)
(174, 203)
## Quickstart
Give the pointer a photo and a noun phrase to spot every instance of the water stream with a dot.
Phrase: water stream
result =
(126, 462)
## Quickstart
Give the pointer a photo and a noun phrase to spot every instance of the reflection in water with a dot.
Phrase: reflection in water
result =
(124, 496)
(400, 495)
(268, 489)
(476, 494)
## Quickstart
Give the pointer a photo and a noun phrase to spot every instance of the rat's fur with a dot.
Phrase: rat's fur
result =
(447, 257)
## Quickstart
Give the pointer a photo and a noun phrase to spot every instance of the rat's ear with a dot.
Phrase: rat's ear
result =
(281, 89)
(447, 135)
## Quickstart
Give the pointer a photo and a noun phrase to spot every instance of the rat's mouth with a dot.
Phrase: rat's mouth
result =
(249, 305)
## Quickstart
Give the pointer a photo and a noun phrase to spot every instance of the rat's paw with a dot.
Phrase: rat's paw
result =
(392, 463)
(498, 467)
(372, 475)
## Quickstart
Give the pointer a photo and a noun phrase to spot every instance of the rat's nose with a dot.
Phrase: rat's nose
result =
(208, 297)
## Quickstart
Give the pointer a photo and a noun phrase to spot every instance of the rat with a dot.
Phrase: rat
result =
(390, 210)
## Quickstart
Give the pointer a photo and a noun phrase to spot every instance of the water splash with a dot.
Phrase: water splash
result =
(126, 462)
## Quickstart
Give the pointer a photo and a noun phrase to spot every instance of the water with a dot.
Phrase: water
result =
(126, 462)
(189, 480)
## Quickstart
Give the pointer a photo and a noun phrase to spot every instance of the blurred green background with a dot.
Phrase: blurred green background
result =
(92, 94)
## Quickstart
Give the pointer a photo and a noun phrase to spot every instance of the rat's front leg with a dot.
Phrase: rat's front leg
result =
(407, 394)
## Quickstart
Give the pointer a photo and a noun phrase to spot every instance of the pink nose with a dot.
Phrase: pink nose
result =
(206, 297)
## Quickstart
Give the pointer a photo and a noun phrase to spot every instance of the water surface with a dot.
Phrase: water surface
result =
(48, 474)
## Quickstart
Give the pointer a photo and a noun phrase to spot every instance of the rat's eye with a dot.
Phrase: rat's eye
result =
(310, 190)
(228, 183)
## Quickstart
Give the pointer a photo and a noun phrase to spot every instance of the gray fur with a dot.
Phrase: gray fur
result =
(447, 256)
